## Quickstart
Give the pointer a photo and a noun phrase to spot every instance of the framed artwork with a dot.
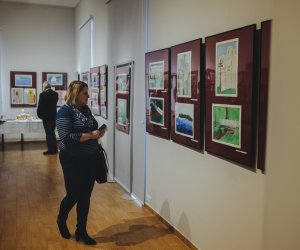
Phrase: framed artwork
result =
(94, 88)
(103, 91)
(85, 77)
(61, 97)
(229, 120)
(123, 82)
(265, 44)
(158, 93)
(186, 94)
(58, 81)
(23, 89)
(226, 67)
(226, 124)
(122, 112)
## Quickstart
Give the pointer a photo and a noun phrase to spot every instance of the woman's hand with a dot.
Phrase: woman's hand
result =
(95, 134)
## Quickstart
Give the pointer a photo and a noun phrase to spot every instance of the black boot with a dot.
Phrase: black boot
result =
(63, 229)
(83, 235)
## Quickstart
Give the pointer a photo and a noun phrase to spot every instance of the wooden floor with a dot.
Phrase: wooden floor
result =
(31, 188)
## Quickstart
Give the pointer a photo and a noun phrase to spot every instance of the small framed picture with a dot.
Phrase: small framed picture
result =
(123, 78)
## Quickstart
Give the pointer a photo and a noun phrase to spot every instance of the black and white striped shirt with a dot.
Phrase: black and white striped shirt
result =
(71, 122)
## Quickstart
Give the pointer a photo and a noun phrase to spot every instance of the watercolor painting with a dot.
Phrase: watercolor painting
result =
(226, 124)
(227, 68)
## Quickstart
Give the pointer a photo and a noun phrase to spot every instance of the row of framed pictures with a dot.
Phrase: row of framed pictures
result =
(197, 91)
(23, 87)
(123, 82)
(96, 79)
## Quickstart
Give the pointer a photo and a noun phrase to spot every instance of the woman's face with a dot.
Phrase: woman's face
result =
(82, 97)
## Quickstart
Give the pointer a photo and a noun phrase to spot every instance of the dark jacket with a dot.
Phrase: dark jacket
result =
(47, 105)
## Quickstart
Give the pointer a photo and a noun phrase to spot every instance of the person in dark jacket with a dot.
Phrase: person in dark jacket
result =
(47, 112)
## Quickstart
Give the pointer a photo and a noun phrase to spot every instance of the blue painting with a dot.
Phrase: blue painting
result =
(184, 119)
(23, 80)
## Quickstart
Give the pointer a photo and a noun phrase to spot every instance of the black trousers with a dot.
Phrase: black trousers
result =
(79, 182)
(49, 127)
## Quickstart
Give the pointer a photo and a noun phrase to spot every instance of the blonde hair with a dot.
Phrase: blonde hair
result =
(73, 91)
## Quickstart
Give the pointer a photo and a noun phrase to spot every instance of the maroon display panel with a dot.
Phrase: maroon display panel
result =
(103, 91)
(95, 90)
(58, 81)
(185, 94)
(123, 85)
(158, 93)
(23, 89)
(263, 92)
(229, 119)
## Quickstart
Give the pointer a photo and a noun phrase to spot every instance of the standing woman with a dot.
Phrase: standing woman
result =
(77, 130)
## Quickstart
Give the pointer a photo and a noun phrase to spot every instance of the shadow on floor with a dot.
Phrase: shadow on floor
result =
(131, 232)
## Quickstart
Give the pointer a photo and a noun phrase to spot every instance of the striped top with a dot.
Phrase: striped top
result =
(71, 122)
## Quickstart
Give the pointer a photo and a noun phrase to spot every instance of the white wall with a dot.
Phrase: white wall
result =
(120, 37)
(214, 203)
(1, 109)
(35, 38)
(83, 11)
(126, 36)
(282, 210)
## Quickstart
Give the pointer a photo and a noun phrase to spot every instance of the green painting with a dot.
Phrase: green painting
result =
(156, 111)
(226, 124)
(122, 111)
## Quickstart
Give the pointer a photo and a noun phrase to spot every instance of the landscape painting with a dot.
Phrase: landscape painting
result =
(23, 80)
(156, 75)
(184, 119)
(184, 62)
(226, 124)
(156, 111)
(55, 79)
(122, 84)
(227, 68)
(122, 111)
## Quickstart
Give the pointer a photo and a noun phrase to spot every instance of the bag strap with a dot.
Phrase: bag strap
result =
(105, 156)
(102, 150)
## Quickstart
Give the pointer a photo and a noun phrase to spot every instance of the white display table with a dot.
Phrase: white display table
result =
(21, 126)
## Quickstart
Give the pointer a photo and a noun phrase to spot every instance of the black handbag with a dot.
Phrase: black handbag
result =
(101, 166)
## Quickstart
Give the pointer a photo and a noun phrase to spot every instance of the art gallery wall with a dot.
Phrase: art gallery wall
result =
(215, 203)
(126, 42)
(35, 38)
(98, 10)
(119, 37)
(1, 97)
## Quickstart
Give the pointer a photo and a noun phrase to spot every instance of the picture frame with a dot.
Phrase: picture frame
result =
(186, 94)
(95, 90)
(228, 97)
(157, 79)
(265, 45)
(23, 89)
(58, 82)
(103, 91)
(123, 82)
(85, 77)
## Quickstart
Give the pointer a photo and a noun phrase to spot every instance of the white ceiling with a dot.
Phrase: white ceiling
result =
(64, 3)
